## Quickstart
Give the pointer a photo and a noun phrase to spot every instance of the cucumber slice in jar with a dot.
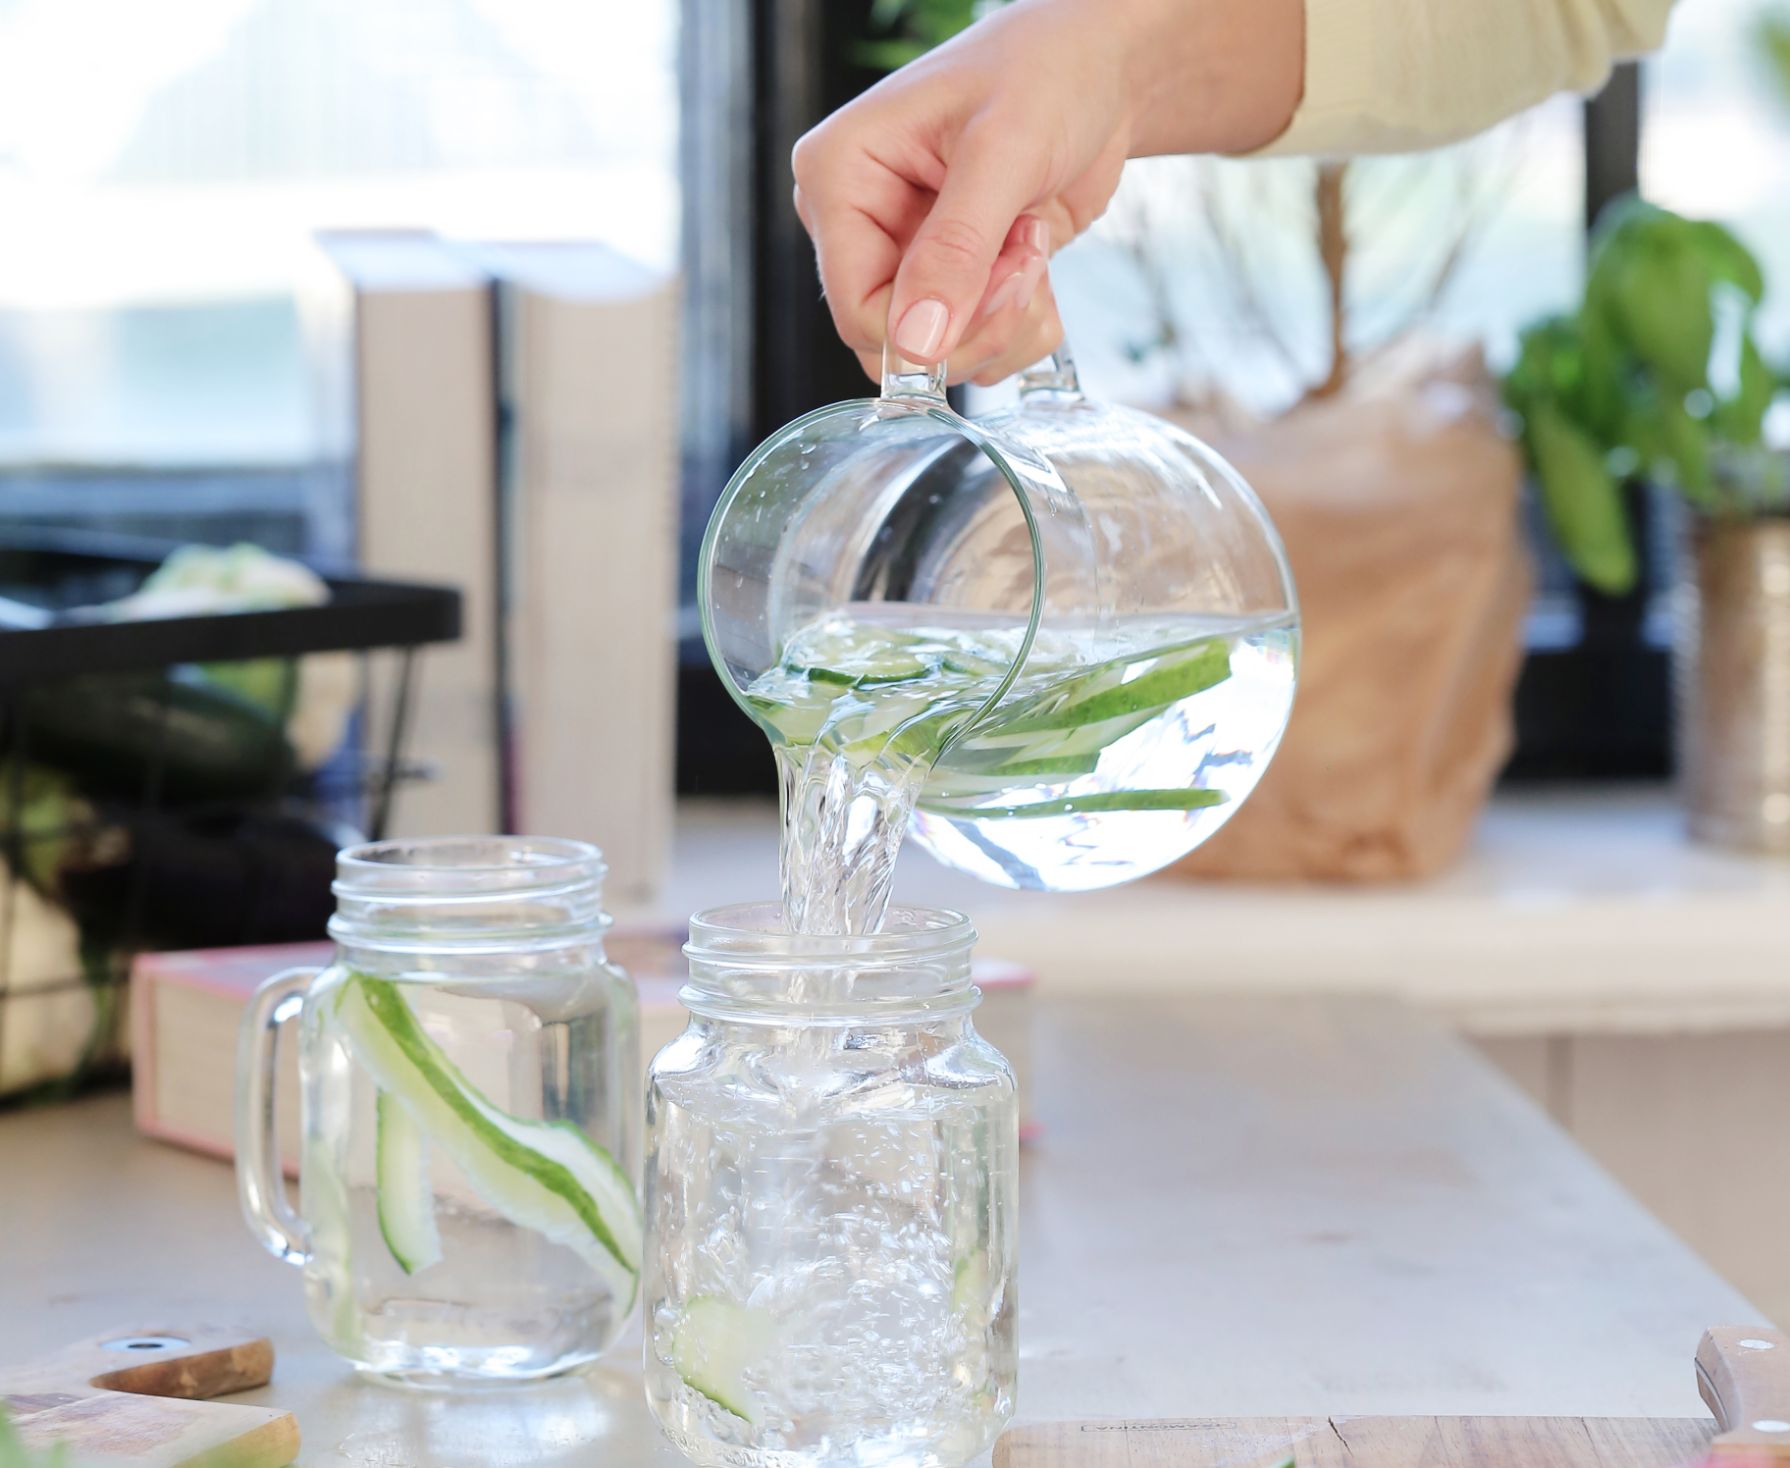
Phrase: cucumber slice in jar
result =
(969, 1285)
(712, 1344)
(406, 1201)
(546, 1176)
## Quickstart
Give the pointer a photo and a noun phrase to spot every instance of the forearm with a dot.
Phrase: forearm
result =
(1335, 77)
(1211, 76)
(1388, 76)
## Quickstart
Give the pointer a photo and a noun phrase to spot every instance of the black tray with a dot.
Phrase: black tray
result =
(47, 577)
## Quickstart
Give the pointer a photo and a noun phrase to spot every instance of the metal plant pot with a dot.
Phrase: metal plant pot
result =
(1733, 677)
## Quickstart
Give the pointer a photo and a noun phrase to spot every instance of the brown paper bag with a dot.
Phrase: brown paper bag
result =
(1398, 503)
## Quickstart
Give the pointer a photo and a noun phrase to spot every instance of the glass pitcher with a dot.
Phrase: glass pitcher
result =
(831, 1200)
(469, 1074)
(1072, 625)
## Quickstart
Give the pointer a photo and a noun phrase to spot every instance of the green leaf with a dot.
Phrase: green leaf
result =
(1549, 365)
(912, 28)
(1663, 312)
(1687, 449)
(1726, 257)
(14, 1453)
(887, 55)
(1773, 35)
(1740, 419)
(1582, 500)
(1604, 393)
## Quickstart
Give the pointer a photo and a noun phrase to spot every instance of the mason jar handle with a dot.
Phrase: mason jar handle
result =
(905, 379)
(1055, 373)
(260, 1185)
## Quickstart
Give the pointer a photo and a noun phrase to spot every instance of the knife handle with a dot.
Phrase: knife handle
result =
(1743, 1373)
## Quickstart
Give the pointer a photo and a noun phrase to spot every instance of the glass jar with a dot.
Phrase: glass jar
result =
(831, 1195)
(469, 1069)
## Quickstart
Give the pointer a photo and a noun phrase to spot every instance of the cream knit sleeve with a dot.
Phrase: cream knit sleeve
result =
(1391, 76)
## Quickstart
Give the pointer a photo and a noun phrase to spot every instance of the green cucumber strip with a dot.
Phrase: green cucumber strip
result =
(964, 784)
(712, 1344)
(917, 735)
(1074, 805)
(1003, 762)
(542, 1175)
(406, 1201)
(885, 670)
(970, 665)
(969, 1285)
(1157, 689)
(326, 1211)
(1051, 743)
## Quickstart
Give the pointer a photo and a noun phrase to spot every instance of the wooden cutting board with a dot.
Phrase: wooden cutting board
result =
(138, 1397)
(1743, 1373)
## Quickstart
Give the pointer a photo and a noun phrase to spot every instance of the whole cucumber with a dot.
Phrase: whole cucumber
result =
(113, 731)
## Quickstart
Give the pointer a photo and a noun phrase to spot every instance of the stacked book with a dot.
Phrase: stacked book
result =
(505, 419)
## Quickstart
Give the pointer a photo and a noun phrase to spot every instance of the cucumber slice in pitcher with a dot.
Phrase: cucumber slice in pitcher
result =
(1165, 684)
(1076, 805)
(712, 1344)
(406, 1201)
(890, 667)
(546, 1176)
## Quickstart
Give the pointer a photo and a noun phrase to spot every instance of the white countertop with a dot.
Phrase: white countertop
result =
(1233, 1208)
(1574, 912)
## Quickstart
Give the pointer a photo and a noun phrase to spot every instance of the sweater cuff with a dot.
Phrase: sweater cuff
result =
(1343, 74)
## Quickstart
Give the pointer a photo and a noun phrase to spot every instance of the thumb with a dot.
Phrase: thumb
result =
(944, 272)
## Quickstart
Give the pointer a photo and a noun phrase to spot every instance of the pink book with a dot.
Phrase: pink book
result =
(186, 1010)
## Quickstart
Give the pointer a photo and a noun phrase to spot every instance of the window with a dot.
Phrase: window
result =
(162, 168)
(1716, 135)
(1204, 275)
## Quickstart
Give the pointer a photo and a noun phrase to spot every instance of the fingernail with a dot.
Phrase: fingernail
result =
(922, 328)
(1037, 235)
(1004, 293)
(1026, 282)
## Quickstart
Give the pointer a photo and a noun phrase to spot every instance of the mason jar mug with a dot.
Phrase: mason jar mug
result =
(830, 1199)
(469, 1077)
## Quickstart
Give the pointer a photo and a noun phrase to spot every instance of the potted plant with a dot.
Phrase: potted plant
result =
(1658, 376)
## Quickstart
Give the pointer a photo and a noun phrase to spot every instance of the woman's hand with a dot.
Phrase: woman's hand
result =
(936, 198)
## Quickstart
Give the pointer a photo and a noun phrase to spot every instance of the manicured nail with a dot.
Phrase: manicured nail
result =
(922, 328)
(1026, 282)
(1004, 293)
(1037, 235)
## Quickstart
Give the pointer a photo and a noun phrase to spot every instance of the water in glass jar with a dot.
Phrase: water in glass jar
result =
(463, 1221)
(831, 1290)
(1113, 753)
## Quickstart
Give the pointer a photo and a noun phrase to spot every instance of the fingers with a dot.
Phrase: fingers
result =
(859, 213)
(1023, 328)
(1017, 269)
(1010, 340)
(1012, 283)
(945, 270)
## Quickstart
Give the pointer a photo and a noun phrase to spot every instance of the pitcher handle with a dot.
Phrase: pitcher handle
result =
(905, 379)
(259, 1183)
(1055, 373)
